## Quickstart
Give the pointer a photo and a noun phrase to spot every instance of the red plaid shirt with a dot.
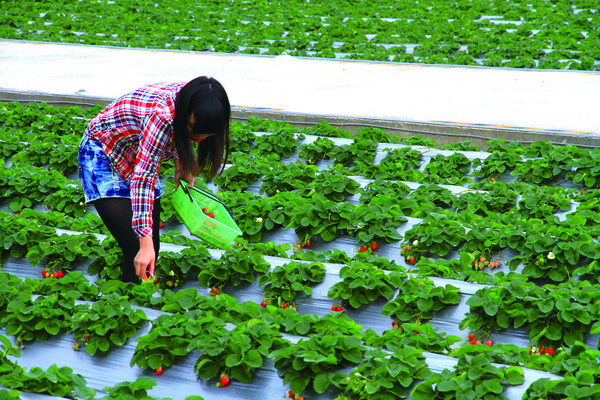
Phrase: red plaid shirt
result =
(136, 132)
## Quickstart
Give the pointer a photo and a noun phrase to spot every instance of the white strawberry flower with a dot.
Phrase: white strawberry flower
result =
(277, 190)
(81, 203)
(416, 243)
(259, 219)
(550, 256)
(172, 273)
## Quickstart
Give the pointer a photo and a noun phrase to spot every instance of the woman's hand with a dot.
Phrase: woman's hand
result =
(145, 258)
(189, 178)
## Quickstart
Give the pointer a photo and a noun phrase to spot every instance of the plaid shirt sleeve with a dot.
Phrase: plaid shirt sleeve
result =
(153, 138)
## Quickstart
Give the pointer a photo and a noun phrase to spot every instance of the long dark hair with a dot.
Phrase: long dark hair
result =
(206, 98)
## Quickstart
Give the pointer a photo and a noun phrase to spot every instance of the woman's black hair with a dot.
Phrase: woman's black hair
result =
(206, 98)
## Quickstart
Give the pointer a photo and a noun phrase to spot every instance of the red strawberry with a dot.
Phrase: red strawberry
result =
(542, 350)
(301, 245)
(159, 370)
(44, 273)
(224, 380)
(393, 323)
(472, 341)
(263, 304)
(160, 225)
(59, 274)
(488, 343)
(215, 290)
(300, 398)
(285, 306)
(339, 308)
(492, 180)
(471, 336)
(204, 210)
(155, 281)
(291, 394)
(550, 351)
(363, 249)
(477, 341)
(18, 212)
(416, 331)
(333, 308)
(307, 243)
(406, 250)
(475, 263)
(373, 246)
(482, 259)
(211, 215)
(411, 260)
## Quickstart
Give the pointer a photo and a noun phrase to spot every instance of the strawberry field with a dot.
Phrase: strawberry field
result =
(518, 34)
(372, 266)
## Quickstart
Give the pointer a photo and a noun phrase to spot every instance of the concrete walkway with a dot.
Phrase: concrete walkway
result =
(496, 100)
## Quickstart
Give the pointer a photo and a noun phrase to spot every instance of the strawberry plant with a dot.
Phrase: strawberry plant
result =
(360, 152)
(540, 202)
(571, 387)
(361, 284)
(241, 138)
(240, 175)
(383, 375)
(108, 264)
(316, 151)
(54, 381)
(310, 361)
(433, 194)
(420, 336)
(333, 185)
(30, 319)
(437, 233)
(110, 319)
(170, 337)
(177, 267)
(279, 144)
(234, 266)
(418, 299)
(474, 376)
(137, 390)
(403, 158)
(282, 177)
(316, 215)
(325, 129)
(285, 281)
(238, 352)
(585, 170)
(379, 219)
(383, 187)
(450, 170)
(553, 314)
(496, 164)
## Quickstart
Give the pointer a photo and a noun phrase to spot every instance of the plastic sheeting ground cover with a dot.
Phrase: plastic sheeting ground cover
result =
(112, 367)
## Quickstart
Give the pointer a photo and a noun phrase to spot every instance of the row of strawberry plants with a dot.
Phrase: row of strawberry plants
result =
(531, 35)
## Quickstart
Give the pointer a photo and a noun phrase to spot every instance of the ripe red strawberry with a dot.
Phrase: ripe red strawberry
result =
(333, 308)
(44, 273)
(159, 370)
(477, 341)
(224, 380)
(301, 245)
(416, 331)
(215, 289)
(291, 394)
(471, 336)
(406, 250)
(374, 246)
(394, 323)
(300, 398)
(488, 343)
(339, 308)
(472, 341)
(542, 350)
(363, 249)
(263, 304)
(204, 210)
(474, 263)
(161, 224)
(285, 306)
(307, 243)
(59, 274)
(492, 180)
(550, 351)
(411, 260)
(18, 212)
(155, 281)
(211, 215)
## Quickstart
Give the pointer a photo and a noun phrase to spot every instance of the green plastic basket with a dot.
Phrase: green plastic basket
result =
(219, 231)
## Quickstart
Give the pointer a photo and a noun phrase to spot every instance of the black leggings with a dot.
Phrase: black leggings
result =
(116, 213)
